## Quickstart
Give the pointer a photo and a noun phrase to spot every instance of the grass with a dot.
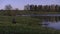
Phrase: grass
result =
(24, 25)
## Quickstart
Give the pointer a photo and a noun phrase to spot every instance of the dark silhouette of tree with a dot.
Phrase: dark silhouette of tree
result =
(32, 7)
(56, 7)
(35, 8)
(16, 11)
(39, 7)
(46, 7)
(59, 8)
(11, 12)
(8, 8)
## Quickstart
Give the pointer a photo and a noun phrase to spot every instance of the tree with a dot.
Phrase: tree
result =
(27, 7)
(35, 8)
(59, 8)
(16, 11)
(32, 7)
(39, 7)
(8, 7)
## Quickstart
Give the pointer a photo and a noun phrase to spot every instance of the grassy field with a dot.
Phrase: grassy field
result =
(24, 25)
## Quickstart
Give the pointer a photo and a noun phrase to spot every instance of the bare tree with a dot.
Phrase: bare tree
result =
(10, 12)
(8, 7)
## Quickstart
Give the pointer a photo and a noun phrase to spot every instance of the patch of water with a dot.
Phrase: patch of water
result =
(55, 25)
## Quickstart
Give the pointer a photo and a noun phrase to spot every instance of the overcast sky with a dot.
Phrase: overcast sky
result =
(20, 3)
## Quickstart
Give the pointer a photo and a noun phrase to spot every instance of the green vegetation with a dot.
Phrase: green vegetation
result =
(22, 12)
(24, 25)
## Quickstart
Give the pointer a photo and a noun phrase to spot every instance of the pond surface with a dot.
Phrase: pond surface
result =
(54, 25)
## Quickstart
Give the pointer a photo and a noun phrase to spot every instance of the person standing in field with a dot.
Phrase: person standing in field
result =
(14, 20)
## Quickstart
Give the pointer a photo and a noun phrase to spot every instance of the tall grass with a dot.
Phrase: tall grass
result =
(24, 25)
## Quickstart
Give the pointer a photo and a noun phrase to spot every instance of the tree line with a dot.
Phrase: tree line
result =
(42, 7)
(30, 9)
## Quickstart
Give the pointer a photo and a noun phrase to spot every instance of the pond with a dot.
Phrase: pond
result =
(54, 25)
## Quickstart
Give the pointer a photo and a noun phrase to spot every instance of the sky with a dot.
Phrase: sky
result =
(21, 3)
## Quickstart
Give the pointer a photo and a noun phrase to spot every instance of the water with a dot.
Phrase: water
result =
(39, 15)
(54, 25)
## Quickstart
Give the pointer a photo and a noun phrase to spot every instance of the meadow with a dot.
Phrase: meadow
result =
(24, 25)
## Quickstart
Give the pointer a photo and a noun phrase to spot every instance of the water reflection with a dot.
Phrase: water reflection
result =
(55, 25)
